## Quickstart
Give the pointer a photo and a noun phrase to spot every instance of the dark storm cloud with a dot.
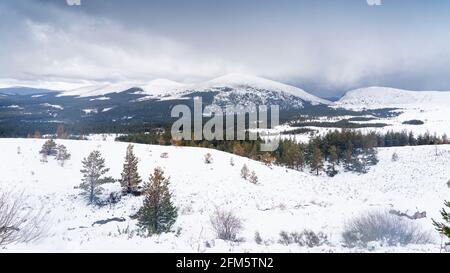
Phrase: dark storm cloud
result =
(324, 46)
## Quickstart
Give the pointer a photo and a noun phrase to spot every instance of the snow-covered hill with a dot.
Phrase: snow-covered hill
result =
(284, 200)
(99, 89)
(382, 97)
(245, 83)
(231, 88)
(24, 91)
(430, 107)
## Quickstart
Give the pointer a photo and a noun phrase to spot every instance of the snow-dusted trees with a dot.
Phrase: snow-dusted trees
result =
(158, 213)
(93, 171)
(49, 148)
(253, 178)
(62, 154)
(130, 176)
(249, 176)
(18, 222)
(444, 228)
(245, 172)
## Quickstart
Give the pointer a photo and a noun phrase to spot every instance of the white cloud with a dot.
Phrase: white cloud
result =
(75, 47)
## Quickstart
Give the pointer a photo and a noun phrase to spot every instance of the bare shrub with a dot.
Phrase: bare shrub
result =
(385, 228)
(258, 238)
(305, 238)
(208, 158)
(226, 225)
(448, 184)
(395, 157)
(18, 222)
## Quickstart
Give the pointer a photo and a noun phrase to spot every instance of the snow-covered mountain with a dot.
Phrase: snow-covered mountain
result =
(228, 89)
(19, 90)
(98, 89)
(243, 89)
(245, 83)
(380, 97)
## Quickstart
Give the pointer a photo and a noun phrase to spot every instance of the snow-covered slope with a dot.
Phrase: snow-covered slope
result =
(244, 82)
(232, 88)
(99, 89)
(19, 90)
(430, 107)
(380, 97)
(161, 87)
(284, 200)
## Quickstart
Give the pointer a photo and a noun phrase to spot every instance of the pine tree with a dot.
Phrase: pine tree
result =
(348, 154)
(158, 214)
(161, 140)
(444, 228)
(62, 154)
(245, 172)
(316, 160)
(93, 170)
(232, 162)
(60, 133)
(394, 157)
(253, 178)
(333, 157)
(130, 177)
(37, 134)
(49, 148)
(298, 159)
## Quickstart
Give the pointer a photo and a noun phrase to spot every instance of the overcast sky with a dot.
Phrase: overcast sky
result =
(323, 46)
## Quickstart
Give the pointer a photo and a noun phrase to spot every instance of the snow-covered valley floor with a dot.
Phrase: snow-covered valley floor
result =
(284, 200)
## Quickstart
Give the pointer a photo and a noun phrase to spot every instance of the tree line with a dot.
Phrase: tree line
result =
(352, 149)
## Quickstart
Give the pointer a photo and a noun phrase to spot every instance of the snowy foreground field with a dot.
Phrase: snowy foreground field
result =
(284, 200)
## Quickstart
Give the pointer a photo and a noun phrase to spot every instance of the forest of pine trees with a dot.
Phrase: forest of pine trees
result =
(352, 149)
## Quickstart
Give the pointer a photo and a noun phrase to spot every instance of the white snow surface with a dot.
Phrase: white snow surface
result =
(98, 89)
(381, 97)
(284, 200)
(55, 106)
(431, 107)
